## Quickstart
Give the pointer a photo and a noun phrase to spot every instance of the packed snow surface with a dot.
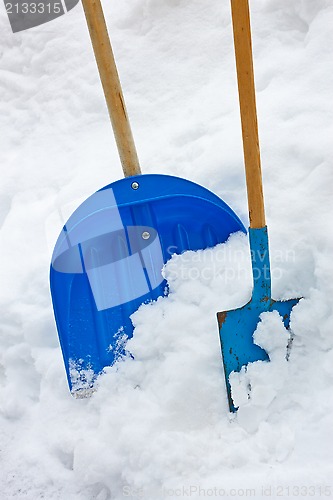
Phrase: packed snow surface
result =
(159, 426)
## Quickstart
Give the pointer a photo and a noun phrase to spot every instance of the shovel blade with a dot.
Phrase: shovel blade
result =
(108, 261)
(236, 335)
(237, 327)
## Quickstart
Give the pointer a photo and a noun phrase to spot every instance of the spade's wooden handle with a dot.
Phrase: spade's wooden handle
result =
(111, 86)
(247, 100)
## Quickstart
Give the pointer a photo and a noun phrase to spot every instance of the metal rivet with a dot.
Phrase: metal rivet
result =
(145, 235)
(135, 185)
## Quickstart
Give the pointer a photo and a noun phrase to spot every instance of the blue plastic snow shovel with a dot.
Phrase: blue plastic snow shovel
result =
(237, 326)
(109, 256)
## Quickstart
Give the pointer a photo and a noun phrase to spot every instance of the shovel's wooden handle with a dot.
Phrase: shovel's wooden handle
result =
(111, 86)
(247, 100)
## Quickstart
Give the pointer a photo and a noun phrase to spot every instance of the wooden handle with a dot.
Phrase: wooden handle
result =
(111, 86)
(247, 100)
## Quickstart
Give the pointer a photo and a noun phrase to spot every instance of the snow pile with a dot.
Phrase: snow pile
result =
(158, 426)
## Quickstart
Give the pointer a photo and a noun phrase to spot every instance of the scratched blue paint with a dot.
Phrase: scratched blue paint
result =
(237, 326)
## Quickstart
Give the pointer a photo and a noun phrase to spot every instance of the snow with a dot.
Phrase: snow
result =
(158, 426)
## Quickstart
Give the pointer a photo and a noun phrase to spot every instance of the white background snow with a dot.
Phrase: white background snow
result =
(159, 426)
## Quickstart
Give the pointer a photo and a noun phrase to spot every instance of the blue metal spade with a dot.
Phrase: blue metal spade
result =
(109, 256)
(238, 326)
